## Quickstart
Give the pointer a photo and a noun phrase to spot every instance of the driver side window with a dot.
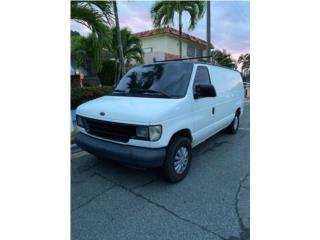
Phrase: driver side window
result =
(201, 77)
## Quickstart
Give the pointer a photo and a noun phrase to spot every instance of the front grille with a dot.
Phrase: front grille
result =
(110, 130)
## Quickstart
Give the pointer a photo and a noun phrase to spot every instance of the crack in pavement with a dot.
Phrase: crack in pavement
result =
(131, 190)
(171, 212)
(145, 184)
(85, 180)
(245, 231)
(93, 198)
(244, 234)
(115, 184)
(88, 167)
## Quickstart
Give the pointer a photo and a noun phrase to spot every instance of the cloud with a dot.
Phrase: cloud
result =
(80, 28)
(135, 15)
(230, 23)
(230, 26)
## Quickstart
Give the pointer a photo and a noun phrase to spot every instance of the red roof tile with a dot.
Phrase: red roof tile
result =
(173, 32)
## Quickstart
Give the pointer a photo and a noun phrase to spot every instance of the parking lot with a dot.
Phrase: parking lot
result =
(109, 201)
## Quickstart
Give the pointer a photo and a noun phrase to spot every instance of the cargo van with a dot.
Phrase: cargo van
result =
(158, 112)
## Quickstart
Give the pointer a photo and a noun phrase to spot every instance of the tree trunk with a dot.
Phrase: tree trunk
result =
(208, 31)
(180, 35)
(119, 74)
(115, 80)
(121, 58)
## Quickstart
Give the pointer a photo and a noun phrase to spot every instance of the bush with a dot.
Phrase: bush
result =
(73, 135)
(81, 95)
(108, 73)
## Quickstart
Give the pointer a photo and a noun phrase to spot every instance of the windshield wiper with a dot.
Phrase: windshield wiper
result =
(152, 92)
(117, 90)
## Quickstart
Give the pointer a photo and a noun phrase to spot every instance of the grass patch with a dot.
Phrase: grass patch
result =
(73, 135)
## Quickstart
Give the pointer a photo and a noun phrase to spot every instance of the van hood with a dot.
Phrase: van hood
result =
(135, 110)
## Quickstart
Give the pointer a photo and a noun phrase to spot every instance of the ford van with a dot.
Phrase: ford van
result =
(158, 112)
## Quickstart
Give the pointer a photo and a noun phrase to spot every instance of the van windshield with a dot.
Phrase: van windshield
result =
(167, 80)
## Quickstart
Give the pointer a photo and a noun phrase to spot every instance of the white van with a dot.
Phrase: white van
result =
(158, 112)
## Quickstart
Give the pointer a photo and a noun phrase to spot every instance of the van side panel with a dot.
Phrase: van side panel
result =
(230, 93)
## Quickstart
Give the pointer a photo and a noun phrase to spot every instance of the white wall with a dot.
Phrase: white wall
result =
(148, 57)
(157, 43)
(173, 45)
(161, 44)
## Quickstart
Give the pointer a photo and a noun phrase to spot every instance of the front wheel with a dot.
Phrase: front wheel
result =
(234, 125)
(178, 159)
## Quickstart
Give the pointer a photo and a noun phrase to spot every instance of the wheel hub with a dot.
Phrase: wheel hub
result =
(181, 160)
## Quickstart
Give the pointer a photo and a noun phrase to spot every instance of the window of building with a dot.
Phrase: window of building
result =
(199, 52)
(147, 50)
(191, 50)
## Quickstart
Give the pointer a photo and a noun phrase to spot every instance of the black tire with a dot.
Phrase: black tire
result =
(234, 125)
(168, 168)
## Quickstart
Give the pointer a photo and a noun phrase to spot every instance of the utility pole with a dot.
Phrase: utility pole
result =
(208, 30)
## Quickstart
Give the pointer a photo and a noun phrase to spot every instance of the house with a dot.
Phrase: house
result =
(163, 44)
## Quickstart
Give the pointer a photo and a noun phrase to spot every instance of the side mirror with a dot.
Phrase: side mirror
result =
(204, 90)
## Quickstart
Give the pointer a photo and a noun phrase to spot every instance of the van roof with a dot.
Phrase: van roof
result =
(183, 61)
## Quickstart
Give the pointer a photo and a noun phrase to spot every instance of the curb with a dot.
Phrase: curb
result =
(75, 148)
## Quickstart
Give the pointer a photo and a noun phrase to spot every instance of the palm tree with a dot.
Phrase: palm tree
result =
(95, 15)
(208, 30)
(85, 49)
(224, 59)
(162, 13)
(118, 37)
(87, 53)
(78, 51)
(132, 48)
(244, 59)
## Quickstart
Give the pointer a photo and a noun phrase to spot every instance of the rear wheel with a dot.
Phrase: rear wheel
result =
(178, 159)
(234, 125)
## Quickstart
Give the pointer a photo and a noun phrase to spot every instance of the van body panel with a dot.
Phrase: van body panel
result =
(135, 110)
(202, 117)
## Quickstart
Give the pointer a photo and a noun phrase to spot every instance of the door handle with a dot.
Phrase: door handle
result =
(213, 111)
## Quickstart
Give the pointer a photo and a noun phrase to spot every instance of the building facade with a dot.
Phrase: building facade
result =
(163, 44)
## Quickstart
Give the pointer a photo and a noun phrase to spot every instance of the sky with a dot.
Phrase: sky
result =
(230, 23)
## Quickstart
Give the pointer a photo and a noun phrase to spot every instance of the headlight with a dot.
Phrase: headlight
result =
(155, 132)
(142, 132)
(152, 133)
(80, 121)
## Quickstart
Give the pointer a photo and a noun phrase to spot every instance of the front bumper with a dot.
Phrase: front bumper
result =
(125, 154)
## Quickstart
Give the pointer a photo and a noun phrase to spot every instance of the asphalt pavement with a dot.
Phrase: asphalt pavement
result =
(109, 201)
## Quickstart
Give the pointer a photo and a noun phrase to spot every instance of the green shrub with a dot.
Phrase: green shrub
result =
(107, 74)
(81, 95)
(73, 135)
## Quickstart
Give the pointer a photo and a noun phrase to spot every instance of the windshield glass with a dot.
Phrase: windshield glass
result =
(168, 80)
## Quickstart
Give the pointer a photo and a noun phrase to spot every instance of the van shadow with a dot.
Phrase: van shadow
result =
(210, 145)
(126, 176)
(132, 176)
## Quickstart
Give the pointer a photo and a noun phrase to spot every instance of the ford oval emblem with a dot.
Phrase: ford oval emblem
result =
(102, 113)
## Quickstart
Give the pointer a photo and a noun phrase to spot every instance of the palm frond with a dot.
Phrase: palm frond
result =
(162, 12)
(132, 48)
(244, 59)
(224, 58)
(94, 15)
